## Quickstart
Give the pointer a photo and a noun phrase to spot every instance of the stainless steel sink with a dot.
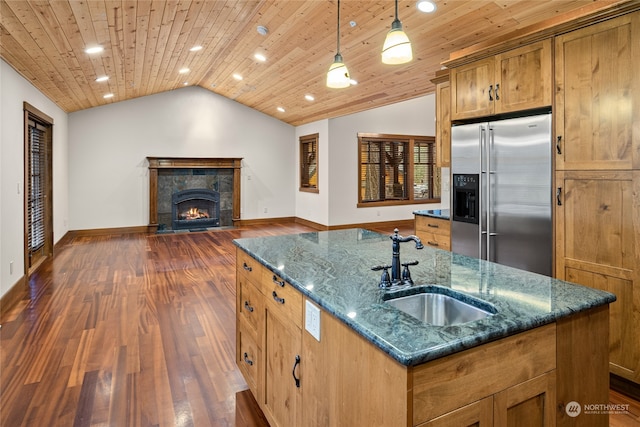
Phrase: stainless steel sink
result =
(438, 309)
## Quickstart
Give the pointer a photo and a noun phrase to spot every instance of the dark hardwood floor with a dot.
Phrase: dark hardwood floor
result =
(136, 330)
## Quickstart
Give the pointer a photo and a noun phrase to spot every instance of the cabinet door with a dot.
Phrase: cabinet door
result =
(528, 404)
(598, 245)
(443, 124)
(598, 96)
(470, 86)
(282, 350)
(523, 78)
(477, 414)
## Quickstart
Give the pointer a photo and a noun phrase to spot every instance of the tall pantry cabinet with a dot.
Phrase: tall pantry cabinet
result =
(597, 131)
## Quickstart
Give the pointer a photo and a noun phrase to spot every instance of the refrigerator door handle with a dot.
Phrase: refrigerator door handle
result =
(487, 153)
(481, 188)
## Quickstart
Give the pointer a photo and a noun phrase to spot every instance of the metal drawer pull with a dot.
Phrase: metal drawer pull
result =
(277, 298)
(248, 307)
(246, 267)
(558, 193)
(497, 91)
(278, 282)
(247, 360)
(558, 144)
(295, 365)
(433, 225)
(433, 243)
(490, 90)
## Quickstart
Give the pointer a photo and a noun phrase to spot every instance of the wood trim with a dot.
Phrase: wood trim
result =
(587, 15)
(10, 298)
(105, 231)
(313, 138)
(156, 163)
(34, 111)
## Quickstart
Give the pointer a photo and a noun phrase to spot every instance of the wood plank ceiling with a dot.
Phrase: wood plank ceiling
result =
(146, 43)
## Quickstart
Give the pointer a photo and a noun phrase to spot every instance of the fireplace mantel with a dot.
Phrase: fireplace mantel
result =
(156, 163)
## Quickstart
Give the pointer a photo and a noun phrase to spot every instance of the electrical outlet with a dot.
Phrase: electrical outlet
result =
(312, 319)
(10, 267)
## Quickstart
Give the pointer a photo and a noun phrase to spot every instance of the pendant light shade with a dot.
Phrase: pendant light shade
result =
(338, 75)
(397, 47)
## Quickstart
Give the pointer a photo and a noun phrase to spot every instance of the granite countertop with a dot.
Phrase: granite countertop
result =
(434, 213)
(333, 269)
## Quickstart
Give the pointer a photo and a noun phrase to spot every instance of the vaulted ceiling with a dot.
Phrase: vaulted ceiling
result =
(147, 43)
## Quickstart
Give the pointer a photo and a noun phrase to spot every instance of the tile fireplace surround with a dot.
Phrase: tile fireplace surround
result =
(179, 173)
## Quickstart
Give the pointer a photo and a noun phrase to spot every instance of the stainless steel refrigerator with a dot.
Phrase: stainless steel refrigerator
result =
(501, 192)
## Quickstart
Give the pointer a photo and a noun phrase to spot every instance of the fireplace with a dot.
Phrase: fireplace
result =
(169, 176)
(195, 208)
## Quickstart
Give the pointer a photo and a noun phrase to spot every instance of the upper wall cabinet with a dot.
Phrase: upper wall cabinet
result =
(598, 96)
(519, 79)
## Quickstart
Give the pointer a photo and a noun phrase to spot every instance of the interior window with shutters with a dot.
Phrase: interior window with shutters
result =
(397, 169)
(309, 163)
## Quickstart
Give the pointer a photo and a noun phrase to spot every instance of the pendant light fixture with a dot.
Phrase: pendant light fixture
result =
(338, 75)
(397, 47)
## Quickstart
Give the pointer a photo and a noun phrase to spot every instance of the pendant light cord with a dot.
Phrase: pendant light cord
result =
(396, 9)
(338, 27)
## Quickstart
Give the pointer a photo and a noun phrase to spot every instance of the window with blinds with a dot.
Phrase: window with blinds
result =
(396, 169)
(36, 186)
(309, 163)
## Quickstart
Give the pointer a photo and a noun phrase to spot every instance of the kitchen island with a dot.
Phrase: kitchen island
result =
(545, 346)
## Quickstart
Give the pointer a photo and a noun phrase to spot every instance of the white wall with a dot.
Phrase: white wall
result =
(412, 117)
(108, 146)
(14, 90)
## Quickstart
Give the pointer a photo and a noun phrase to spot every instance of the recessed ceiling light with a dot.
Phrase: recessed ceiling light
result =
(262, 30)
(309, 98)
(107, 96)
(195, 48)
(185, 84)
(260, 57)
(281, 109)
(94, 49)
(184, 70)
(237, 76)
(426, 6)
(102, 79)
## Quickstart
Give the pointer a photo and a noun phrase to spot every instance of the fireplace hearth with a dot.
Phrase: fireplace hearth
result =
(195, 208)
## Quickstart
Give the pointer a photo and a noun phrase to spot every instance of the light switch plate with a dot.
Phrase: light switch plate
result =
(312, 319)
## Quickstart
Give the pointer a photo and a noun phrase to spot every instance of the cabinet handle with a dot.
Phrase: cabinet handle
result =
(295, 365)
(278, 282)
(558, 144)
(497, 91)
(433, 243)
(246, 267)
(490, 90)
(558, 193)
(247, 360)
(277, 298)
(433, 225)
(248, 307)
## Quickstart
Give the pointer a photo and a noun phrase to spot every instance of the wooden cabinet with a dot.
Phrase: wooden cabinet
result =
(443, 118)
(597, 130)
(282, 351)
(597, 113)
(477, 414)
(519, 79)
(597, 245)
(433, 232)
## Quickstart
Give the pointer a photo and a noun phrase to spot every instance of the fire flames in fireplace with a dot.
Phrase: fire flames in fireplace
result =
(193, 213)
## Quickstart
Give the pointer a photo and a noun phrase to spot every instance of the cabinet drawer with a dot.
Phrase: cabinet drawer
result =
(249, 303)
(433, 225)
(248, 266)
(438, 241)
(248, 357)
(282, 297)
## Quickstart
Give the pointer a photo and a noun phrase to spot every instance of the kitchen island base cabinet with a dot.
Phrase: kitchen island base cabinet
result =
(344, 379)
